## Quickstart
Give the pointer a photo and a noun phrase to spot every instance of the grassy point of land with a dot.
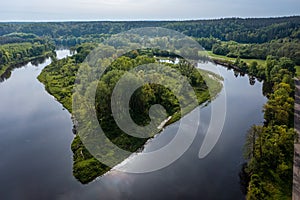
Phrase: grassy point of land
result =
(248, 61)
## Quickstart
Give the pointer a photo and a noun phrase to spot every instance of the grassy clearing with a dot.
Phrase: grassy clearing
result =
(248, 61)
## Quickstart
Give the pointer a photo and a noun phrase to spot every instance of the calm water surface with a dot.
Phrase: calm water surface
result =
(36, 160)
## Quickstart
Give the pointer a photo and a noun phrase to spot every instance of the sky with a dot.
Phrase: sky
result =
(74, 10)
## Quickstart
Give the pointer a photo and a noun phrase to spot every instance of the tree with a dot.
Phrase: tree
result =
(253, 68)
(252, 145)
(288, 64)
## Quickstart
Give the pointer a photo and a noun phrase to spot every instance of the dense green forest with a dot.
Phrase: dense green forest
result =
(59, 78)
(29, 48)
(266, 48)
(233, 37)
(258, 30)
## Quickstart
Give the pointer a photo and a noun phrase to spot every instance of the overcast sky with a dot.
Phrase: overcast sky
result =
(56, 10)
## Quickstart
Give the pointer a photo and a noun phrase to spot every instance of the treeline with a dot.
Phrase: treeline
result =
(269, 148)
(21, 38)
(17, 47)
(285, 47)
(250, 30)
(258, 30)
(70, 40)
(18, 53)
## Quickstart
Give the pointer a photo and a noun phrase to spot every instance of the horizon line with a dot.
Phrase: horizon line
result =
(146, 20)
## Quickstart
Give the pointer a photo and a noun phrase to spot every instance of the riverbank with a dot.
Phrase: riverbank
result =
(229, 62)
(6, 69)
(271, 179)
(232, 60)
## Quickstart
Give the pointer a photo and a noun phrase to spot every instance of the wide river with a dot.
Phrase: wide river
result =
(36, 159)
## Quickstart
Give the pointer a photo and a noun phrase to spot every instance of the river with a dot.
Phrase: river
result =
(36, 135)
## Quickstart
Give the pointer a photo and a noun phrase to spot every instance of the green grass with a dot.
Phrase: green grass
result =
(298, 71)
(248, 61)
(212, 55)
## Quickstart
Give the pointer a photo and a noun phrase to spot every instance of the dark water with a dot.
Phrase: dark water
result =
(35, 139)
(36, 160)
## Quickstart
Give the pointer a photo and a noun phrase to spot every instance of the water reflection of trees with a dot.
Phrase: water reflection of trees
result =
(36, 62)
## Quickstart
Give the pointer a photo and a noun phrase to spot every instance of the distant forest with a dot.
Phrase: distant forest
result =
(252, 30)
(252, 38)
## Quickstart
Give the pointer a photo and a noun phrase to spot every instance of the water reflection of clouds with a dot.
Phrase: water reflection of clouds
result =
(112, 186)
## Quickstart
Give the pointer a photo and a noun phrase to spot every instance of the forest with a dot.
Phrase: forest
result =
(249, 30)
(19, 48)
(248, 38)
